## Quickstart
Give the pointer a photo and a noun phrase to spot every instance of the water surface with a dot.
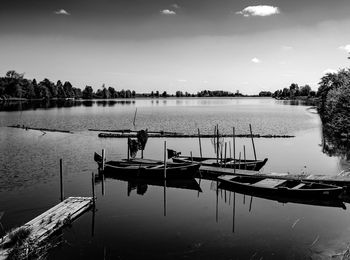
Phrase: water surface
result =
(134, 220)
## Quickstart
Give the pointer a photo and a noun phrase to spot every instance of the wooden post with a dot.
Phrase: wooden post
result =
(128, 148)
(217, 142)
(251, 134)
(164, 159)
(221, 156)
(234, 150)
(93, 187)
(200, 144)
(230, 149)
(245, 162)
(239, 161)
(61, 181)
(191, 157)
(225, 155)
(103, 159)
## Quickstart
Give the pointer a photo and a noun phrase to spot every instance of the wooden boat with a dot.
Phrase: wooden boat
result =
(252, 165)
(150, 168)
(280, 187)
(322, 202)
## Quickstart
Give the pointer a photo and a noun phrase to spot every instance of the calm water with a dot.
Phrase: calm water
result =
(135, 220)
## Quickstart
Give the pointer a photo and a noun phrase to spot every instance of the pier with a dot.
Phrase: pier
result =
(35, 232)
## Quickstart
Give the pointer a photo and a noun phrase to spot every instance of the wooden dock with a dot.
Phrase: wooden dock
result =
(43, 226)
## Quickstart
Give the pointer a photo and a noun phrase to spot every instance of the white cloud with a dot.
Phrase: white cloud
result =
(176, 6)
(62, 12)
(182, 80)
(256, 60)
(345, 48)
(167, 12)
(329, 71)
(259, 10)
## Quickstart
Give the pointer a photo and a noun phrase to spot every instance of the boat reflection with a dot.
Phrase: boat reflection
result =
(140, 185)
(333, 202)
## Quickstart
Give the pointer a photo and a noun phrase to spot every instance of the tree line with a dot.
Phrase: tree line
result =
(15, 86)
(294, 91)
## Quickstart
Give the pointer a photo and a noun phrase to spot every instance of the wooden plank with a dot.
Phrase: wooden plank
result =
(300, 185)
(50, 221)
(226, 171)
(269, 183)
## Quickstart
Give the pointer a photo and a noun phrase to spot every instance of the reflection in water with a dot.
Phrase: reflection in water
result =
(141, 184)
(59, 103)
(335, 146)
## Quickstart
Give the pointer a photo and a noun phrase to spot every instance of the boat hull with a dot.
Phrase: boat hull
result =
(312, 190)
(252, 165)
(153, 171)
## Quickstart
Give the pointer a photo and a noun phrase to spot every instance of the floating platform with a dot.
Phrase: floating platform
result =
(40, 129)
(177, 135)
(43, 226)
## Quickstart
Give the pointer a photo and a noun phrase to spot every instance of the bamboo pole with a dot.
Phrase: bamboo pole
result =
(128, 148)
(200, 143)
(164, 159)
(234, 150)
(103, 159)
(230, 149)
(245, 165)
(217, 142)
(239, 161)
(251, 135)
(225, 154)
(61, 181)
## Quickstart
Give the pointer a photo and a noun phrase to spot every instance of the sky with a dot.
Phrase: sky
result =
(168, 45)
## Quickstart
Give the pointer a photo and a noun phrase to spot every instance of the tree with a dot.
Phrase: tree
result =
(305, 90)
(164, 94)
(88, 93)
(112, 92)
(179, 93)
(14, 75)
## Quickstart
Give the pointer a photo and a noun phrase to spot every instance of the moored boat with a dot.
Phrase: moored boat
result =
(149, 168)
(280, 187)
(252, 165)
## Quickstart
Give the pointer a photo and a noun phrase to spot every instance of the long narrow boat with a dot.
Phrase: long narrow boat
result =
(149, 168)
(323, 202)
(252, 165)
(279, 187)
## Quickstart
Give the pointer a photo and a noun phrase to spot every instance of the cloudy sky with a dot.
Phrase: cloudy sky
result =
(169, 45)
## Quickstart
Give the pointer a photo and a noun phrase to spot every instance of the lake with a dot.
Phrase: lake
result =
(134, 220)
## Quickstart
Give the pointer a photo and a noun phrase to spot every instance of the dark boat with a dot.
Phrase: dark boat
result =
(279, 187)
(149, 168)
(323, 202)
(252, 165)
